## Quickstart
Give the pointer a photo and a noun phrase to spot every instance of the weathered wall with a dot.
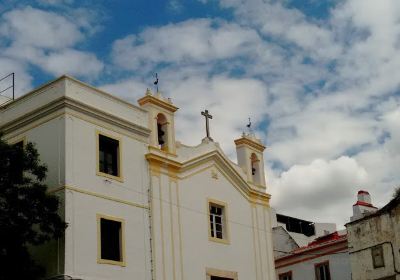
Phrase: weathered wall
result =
(367, 233)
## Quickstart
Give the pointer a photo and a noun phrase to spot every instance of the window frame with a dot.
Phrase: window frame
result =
(225, 225)
(380, 248)
(122, 241)
(16, 140)
(318, 265)
(221, 273)
(285, 274)
(120, 177)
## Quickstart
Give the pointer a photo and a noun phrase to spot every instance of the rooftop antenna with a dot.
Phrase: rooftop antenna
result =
(156, 81)
(12, 75)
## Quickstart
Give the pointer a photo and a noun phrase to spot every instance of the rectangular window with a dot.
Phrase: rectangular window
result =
(285, 276)
(377, 256)
(109, 156)
(111, 239)
(218, 228)
(219, 278)
(322, 271)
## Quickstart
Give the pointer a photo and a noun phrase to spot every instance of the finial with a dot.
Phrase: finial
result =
(148, 91)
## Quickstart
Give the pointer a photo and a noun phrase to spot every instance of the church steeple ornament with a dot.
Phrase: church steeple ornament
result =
(156, 81)
(207, 117)
(249, 126)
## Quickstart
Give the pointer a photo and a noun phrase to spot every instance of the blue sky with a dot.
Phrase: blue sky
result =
(318, 78)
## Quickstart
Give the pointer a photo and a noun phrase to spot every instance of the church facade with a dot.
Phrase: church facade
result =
(138, 203)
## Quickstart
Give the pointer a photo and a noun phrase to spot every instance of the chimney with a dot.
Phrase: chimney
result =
(363, 206)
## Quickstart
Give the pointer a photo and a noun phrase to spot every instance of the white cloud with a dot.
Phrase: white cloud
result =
(37, 28)
(314, 190)
(48, 40)
(73, 62)
(192, 41)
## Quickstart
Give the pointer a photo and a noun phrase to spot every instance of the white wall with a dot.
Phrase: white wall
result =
(183, 249)
(81, 208)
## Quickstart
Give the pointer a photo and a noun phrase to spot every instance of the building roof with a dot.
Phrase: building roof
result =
(326, 245)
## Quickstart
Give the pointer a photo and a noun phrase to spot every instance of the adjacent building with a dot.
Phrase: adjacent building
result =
(325, 258)
(374, 240)
(306, 250)
(138, 203)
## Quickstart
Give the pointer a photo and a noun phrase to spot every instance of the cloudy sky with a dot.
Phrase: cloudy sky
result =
(318, 78)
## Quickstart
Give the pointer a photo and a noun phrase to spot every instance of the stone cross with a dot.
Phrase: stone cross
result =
(207, 116)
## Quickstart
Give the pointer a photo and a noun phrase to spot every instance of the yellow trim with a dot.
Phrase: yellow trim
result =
(259, 242)
(171, 221)
(152, 236)
(153, 148)
(82, 117)
(158, 102)
(162, 228)
(122, 249)
(120, 177)
(156, 162)
(247, 142)
(36, 123)
(85, 118)
(165, 162)
(221, 273)
(180, 229)
(226, 232)
(254, 240)
(66, 187)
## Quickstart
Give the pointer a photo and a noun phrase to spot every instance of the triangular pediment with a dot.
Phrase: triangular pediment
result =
(201, 163)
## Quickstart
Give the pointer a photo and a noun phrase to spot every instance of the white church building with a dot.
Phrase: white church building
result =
(138, 203)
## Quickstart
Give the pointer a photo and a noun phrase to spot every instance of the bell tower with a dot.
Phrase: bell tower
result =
(161, 121)
(250, 157)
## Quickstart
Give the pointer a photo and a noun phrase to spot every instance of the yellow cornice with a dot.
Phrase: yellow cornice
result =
(259, 197)
(245, 141)
(158, 102)
(158, 160)
(156, 149)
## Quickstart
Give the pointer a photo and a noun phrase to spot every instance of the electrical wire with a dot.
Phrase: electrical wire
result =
(204, 213)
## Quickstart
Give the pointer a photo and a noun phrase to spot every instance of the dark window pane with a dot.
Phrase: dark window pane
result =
(220, 278)
(108, 155)
(110, 240)
(322, 272)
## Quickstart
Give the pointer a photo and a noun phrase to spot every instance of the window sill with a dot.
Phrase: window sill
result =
(218, 240)
(117, 178)
(102, 261)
